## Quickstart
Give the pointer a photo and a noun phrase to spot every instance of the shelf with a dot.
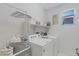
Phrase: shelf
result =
(36, 25)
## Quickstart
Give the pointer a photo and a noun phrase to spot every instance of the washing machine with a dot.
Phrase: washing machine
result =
(42, 46)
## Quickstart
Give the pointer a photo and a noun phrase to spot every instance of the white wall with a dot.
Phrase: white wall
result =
(33, 9)
(9, 26)
(68, 34)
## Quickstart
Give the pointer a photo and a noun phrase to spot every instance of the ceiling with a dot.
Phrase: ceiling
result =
(47, 6)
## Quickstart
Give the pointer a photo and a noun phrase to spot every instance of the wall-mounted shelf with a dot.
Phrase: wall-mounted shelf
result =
(37, 25)
(39, 28)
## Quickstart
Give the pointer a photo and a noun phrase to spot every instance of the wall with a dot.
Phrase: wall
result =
(68, 34)
(9, 26)
(33, 9)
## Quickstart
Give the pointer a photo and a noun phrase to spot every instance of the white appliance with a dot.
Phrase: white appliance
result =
(42, 46)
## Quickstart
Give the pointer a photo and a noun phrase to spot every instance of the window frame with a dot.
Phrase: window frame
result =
(72, 16)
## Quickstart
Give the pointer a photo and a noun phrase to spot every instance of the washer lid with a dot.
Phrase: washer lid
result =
(40, 41)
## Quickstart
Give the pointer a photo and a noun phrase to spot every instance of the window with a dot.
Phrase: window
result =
(68, 16)
(68, 20)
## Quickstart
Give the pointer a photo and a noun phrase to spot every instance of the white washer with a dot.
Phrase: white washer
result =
(42, 46)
